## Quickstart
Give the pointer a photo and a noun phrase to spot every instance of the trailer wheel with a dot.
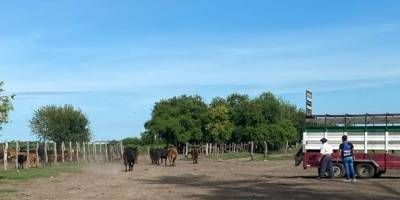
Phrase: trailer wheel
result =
(338, 170)
(365, 170)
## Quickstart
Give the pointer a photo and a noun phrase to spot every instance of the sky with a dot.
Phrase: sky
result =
(115, 59)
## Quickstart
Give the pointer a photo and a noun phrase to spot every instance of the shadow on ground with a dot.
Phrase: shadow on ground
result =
(263, 189)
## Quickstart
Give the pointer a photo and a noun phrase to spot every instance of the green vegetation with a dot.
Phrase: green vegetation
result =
(7, 190)
(60, 123)
(237, 118)
(5, 105)
(39, 172)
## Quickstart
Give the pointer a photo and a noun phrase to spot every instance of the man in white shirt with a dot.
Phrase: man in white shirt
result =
(325, 159)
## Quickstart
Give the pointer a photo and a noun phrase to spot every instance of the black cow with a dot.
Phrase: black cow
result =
(163, 155)
(22, 158)
(155, 158)
(130, 156)
(157, 154)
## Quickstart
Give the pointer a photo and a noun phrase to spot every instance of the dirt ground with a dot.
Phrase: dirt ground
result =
(210, 179)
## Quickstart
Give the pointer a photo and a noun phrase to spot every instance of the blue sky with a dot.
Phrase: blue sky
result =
(115, 59)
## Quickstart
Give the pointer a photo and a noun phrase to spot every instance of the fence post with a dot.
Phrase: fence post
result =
(186, 150)
(37, 154)
(265, 150)
(106, 146)
(5, 155)
(94, 152)
(101, 152)
(77, 151)
(45, 152)
(122, 150)
(62, 152)
(84, 151)
(251, 150)
(16, 154)
(70, 151)
(55, 152)
(27, 155)
(207, 149)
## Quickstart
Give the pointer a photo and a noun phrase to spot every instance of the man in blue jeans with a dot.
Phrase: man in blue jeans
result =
(325, 159)
(347, 154)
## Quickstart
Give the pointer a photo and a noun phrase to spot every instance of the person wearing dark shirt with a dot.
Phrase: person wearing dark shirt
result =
(346, 152)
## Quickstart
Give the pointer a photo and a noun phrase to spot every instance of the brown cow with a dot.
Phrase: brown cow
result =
(195, 154)
(172, 155)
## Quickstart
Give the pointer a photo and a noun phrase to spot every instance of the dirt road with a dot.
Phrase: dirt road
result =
(233, 179)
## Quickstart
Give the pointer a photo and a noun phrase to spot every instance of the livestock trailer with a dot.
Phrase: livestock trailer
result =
(376, 140)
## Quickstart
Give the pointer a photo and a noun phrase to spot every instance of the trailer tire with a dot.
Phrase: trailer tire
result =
(365, 170)
(338, 170)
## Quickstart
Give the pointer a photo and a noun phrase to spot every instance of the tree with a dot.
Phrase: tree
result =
(220, 127)
(5, 105)
(178, 120)
(60, 123)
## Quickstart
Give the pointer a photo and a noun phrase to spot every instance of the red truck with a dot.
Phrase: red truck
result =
(376, 140)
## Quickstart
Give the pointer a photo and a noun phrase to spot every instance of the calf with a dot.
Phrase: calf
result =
(130, 155)
(195, 154)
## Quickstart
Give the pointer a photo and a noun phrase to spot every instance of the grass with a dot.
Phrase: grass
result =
(26, 174)
(7, 190)
(257, 156)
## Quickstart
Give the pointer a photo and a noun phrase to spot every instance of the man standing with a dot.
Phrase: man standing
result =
(325, 159)
(346, 152)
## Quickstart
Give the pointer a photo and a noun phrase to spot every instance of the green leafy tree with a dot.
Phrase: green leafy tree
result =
(178, 120)
(60, 123)
(239, 111)
(5, 105)
(220, 127)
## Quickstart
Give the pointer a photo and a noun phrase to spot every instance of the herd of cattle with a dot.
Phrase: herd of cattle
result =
(23, 157)
(157, 156)
(130, 156)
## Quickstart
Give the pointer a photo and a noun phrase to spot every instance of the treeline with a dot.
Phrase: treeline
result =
(237, 118)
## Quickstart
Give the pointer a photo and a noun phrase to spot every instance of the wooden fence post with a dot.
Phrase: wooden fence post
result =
(16, 154)
(46, 157)
(84, 151)
(37, 154)
(206, 149)
(186, 150)
(70, 151)
(62, 152)
(122, 151)
(5, 155)
(77, 151)
(94, 152)
(251, 150)
(101, 152)
(27, 156)
(106, 146)
(265, 150)
(55, 152)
